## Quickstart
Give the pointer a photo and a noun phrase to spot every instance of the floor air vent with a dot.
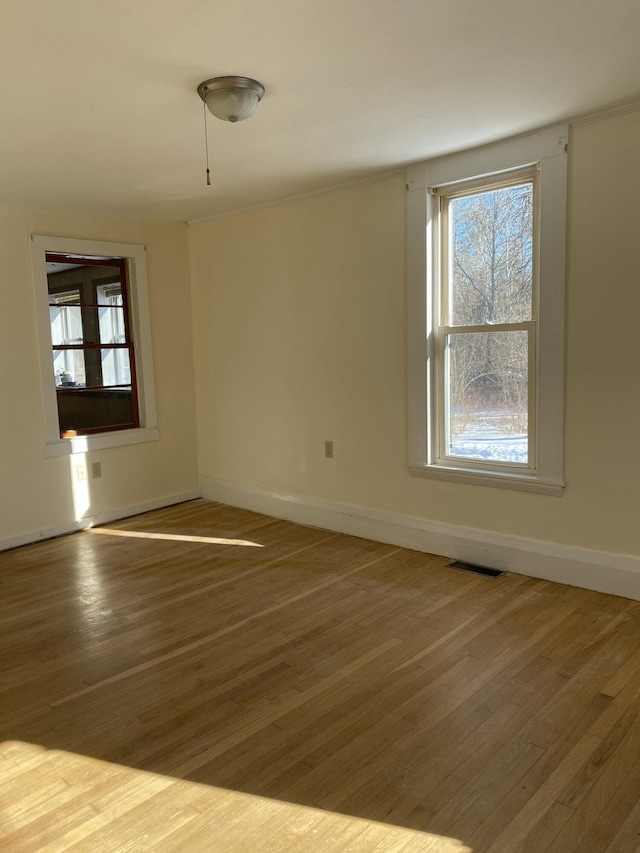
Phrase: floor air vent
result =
(478, 570)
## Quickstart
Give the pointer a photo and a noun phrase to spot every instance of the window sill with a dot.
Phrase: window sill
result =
(517, 482)
(100, 441)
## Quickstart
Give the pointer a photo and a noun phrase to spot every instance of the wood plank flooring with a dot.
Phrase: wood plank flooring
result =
(205, 678)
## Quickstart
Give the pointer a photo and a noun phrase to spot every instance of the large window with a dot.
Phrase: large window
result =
(95, 345)
(487, 325)
(486, 299)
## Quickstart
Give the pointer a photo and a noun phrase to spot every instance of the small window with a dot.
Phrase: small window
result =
(92, 344)
(94, 334)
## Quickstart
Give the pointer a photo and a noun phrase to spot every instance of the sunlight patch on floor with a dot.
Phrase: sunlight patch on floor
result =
(55, 799)
(175, 537)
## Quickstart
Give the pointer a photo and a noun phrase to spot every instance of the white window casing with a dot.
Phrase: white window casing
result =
(544, 151)
(135, 256)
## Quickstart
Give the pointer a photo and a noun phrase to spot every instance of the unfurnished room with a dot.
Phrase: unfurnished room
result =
(320, 468)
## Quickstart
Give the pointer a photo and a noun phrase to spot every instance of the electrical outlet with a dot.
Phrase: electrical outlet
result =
(328, 449)
(96, 470)
(81, 472)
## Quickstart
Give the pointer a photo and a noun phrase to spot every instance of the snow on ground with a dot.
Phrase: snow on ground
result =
(512, 448)
(486, 440)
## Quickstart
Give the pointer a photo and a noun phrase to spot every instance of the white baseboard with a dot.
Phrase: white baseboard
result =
(616, 574)
(100, 518)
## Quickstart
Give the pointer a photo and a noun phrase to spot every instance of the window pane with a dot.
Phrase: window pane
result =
(112, 329)
(487, 381)
(109, 294)
(116, 369)
(65, 319)
(491, 241)
(79, 368)
(70, 368)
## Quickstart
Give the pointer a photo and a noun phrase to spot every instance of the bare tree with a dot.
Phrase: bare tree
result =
(491, 238)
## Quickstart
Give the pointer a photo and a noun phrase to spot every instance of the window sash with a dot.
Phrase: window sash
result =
(443, 329)
(442, 420)
(445, 195)
(116, 290)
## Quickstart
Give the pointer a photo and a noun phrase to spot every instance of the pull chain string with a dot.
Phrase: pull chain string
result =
(206, 140)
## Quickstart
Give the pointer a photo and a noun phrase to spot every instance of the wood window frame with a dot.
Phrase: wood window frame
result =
(92, 349)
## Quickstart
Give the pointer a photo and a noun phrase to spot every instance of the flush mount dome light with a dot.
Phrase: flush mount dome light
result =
(231, 98)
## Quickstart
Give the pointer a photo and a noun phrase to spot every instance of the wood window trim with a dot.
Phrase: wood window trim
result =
(92, 307)
(548, 147)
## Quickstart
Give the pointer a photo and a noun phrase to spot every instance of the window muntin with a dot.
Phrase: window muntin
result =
(92, 344)
(486, 299)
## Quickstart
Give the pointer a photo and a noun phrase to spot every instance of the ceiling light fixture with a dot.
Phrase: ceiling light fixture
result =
(229, 99)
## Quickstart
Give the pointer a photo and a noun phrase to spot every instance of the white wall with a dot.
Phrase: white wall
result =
(37, 493)
(299, 334)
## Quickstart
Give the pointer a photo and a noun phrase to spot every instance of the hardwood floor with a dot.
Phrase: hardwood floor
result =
(204, 678)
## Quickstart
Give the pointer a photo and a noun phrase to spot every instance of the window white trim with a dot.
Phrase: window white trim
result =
(548, 148)
(135, 256)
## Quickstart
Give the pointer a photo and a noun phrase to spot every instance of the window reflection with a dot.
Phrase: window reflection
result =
(93, 360)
